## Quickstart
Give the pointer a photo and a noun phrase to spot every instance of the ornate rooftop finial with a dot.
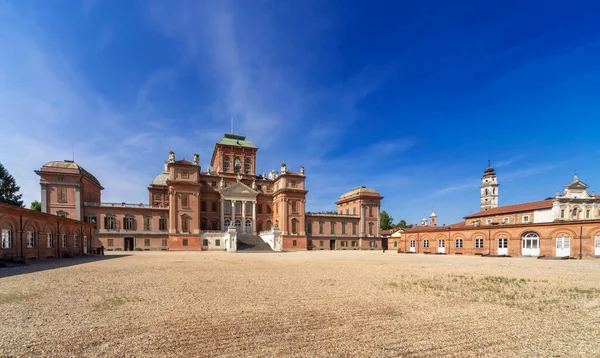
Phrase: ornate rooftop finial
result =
(171, 156)
(489, 163)
(433, 212)
(575, 177)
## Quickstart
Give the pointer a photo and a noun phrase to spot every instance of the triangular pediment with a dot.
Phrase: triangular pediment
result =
(577, 185)
(238, 190)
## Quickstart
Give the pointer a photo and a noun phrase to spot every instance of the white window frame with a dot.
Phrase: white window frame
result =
(597, 242)
(75, 243)
(6, 238)
(525, 219)
(506, 220)
(64, 240)
(458, 243)
(425, 244)
(479, 243)
(412, 243)
(49, 240)
(488, 221)
(31, 239)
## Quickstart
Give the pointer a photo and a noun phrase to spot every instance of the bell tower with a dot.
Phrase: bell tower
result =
(489, 189)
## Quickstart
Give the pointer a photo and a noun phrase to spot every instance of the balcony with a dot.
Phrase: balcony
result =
(122, 205)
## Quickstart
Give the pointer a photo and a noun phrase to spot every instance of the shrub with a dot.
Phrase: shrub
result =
(119, 249)
(139, 249)
(399, 250)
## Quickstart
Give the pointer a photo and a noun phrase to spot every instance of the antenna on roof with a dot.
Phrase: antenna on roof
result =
(489, 163)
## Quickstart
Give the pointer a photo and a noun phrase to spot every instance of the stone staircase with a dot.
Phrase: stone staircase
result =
(252, 243)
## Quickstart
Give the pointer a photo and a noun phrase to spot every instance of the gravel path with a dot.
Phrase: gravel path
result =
(349, 303)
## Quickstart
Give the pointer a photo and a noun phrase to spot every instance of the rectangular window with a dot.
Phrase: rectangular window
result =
(269, 210)
(344, 243)
(147, 223)
(354, 226)
(6, 239)
(184, 225)
(488, 221)
(146, 242)
(185, 175)
(109, 222)
(259, 208)
(412, 243)
(227, 207)
(91, 220)
(75, 241)
(321, 243)
(156, 196)
(353, 211)
(184, 201)
(61, 195)
(248, 208)
(562, 213)
(458, 243)
(479, 243)
(214, 184)
(370, 211)
(218, 242)
(203, 206)
(64, 240)
(30, 239)
(128, 223)
(526, 218)
(294, 243)
(332, 224)
(204, 242)
(320, 227)
(294, 207)
(89, 197)
(164, 242)
(110, 242)
(355, 243)
(309, 228)
(505, 220)
(238, 208)
(162, 224)
(588, 214)
(343, 228)
(214, 206)
(425, 243)
(49, 240)
(185, 242)
(276, 208)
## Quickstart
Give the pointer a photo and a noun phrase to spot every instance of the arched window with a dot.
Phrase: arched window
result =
(574, 213)
(294, 226)
(370, 228)
(247, 166)
(226, 164)
(494, 191)
(6, 238)
(226, 223)
(486, 192)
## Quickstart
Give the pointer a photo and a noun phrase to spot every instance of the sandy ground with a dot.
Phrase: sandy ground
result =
(301, 304)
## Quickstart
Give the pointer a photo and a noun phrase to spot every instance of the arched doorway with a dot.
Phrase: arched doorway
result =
(238, 226)
(227, 222)
(441, 246)
(204, 224)
(248, 227)
(268, 225)
(530, 244)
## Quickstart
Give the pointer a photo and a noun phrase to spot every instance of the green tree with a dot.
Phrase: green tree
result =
(386, 222)
(9, 190)
(36, 206)
(402, 225)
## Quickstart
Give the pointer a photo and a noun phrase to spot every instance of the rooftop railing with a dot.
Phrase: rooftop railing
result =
(121, 205)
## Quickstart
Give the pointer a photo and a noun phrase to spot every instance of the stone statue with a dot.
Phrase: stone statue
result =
(222, 184)
(171, 156)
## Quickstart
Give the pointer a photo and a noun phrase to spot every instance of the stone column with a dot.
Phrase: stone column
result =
(223, 228)
(78, 202)
(233, 212)
(44, 203)
(254, 232)
(363, 209)
(244, 216)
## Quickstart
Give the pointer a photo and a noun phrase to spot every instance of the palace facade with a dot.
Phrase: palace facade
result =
(193, 209)
(566, 225)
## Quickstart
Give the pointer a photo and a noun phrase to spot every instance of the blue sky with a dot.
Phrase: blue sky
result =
(409, 98)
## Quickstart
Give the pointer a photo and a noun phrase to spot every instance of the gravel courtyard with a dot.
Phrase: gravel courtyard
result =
(345, 303)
